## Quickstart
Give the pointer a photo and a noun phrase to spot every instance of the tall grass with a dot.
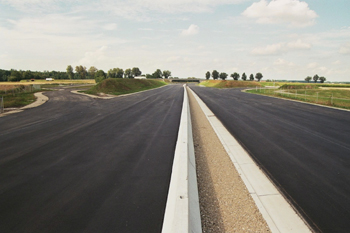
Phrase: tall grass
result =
(334, 97)
(116, 86)
(229, 83)
(18, 95)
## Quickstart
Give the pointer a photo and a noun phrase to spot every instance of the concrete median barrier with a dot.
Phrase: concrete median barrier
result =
(182, 212)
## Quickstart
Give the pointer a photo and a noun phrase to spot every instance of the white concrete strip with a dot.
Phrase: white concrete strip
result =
(277, 212)
(182, 212)
(108, 96)
(93, 96)
(40, 99)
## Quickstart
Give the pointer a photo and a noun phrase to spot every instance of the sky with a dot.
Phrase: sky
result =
(282, 39)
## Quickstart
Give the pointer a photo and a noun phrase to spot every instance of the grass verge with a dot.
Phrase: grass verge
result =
(116, 86)
(229, 83)
(17, 96)
(339, 98)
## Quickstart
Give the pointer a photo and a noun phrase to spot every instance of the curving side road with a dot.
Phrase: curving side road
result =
(304, 149)
(78, 164)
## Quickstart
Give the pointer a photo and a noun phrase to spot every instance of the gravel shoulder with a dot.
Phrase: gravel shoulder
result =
(225, 203)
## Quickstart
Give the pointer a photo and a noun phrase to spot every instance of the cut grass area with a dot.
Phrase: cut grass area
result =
(116, 86)
(18, 100)
(16, 96)
(229, 83)
(330, 97)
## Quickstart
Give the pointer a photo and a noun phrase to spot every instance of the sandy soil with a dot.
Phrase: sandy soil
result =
(225, 203)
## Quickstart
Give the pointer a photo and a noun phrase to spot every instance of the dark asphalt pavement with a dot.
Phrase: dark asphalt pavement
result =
(77, 164)
(305, 149)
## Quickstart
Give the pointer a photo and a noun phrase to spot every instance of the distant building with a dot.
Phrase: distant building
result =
(49, 79)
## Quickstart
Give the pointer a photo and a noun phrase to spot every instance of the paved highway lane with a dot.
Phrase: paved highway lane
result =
(305, 149)
(77, 164)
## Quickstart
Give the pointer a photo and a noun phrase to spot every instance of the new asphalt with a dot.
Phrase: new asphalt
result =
(77, 164)
(304, 149)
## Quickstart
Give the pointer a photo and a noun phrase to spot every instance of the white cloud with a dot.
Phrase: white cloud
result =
(192, 30)
(299, 44)
(345, 49)
(284, 63)
(110, 26)
(94, 57)
(41, 6)
(293, 12)
(312, 65)
(280, 48)
(54, 24)
(171, 6)
(269, 49)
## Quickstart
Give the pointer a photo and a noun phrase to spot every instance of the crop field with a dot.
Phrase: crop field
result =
(58, 81)
(336, 97)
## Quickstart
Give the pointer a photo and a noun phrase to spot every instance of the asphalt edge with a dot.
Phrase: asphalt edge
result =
(182, 213)
(276, 210)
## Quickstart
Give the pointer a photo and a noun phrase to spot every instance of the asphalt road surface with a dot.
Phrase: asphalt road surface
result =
(77, 164)
(304, 149)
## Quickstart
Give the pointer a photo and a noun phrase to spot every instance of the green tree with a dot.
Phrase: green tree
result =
(100, 76)
(112, 73)
(251, 77)
(223, 75)
(92, 71)
(235, 76)
(81, 71)
(207, 75)
(308, 79)
(148, 76)
(15, 76)
(215, 74)
(157, 74)
(244, 76)
(315, 78)
(119, 72)
(322, 79)
(127, 73)
(166, 74)
(70, 72)
(136, 72)
(28, 75)
(258, 76)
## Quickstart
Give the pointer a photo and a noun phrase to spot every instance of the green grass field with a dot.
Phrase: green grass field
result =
(336, 97)
(16, 96)
(116, 86)
(229, 84)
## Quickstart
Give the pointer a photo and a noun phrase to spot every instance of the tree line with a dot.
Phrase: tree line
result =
(216, 75)
(79, 72)
(18, 75)
(315, 78)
